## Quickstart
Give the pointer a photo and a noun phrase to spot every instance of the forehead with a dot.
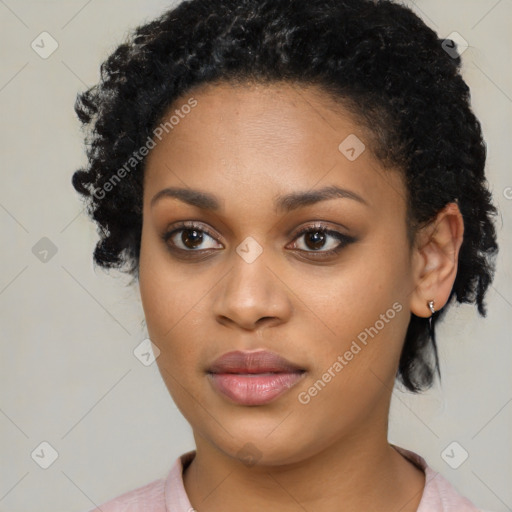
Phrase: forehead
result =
(256, 114)
(266, 137)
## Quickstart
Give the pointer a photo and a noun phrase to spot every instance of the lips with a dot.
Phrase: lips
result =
(252, 362)
(253, 378)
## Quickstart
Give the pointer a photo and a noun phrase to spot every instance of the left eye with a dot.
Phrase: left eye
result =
(316, 239)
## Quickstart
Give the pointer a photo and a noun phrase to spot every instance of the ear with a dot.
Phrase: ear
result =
(435, 260)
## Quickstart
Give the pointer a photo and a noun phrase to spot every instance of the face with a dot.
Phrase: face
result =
(281, 241)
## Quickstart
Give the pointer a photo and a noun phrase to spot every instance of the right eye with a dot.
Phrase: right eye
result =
(189, 237)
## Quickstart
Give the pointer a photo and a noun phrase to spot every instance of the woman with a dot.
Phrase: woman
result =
(298, 189)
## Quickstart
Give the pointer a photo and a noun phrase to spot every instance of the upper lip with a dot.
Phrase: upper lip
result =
(262, 361)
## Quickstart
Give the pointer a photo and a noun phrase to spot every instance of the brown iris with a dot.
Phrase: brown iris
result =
(192, 237)
(317, 238)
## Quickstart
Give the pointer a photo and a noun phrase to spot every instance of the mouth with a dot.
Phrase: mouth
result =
(253, 378)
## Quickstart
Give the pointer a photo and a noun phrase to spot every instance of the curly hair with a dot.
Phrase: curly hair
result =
(376, 58)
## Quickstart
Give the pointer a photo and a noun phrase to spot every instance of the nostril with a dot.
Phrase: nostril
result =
(265, 319)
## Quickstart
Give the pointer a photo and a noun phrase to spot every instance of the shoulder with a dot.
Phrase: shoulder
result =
(157, 496)
(149, 497)
(439, 495)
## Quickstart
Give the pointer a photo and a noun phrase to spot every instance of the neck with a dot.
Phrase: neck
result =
(362, 472)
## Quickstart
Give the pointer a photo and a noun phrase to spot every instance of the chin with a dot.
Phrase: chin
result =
(262, 444)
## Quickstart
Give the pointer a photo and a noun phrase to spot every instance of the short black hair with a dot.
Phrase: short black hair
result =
(377, 58)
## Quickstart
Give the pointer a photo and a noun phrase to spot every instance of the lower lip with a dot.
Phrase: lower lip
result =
(254, 389)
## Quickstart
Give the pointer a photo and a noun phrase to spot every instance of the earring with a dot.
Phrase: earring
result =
(430, 304)
(432, 335)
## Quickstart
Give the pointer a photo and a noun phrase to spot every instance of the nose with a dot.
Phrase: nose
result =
(252, 295)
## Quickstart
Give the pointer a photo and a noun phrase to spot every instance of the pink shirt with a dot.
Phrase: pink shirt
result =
(169, 495)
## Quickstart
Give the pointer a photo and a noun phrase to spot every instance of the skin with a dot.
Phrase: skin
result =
(247, 145)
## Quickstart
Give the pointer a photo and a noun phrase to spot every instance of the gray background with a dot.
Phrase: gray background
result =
(68, 375)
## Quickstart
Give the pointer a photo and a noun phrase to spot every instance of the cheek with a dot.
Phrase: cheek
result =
(166, 296)
(175, 301)
(355, 294)
(169, 302)
(355, 358)
(360, 314)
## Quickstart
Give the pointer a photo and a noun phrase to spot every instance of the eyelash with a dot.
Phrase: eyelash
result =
(318, 227)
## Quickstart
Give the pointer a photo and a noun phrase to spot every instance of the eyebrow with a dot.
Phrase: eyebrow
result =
(284, 203)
